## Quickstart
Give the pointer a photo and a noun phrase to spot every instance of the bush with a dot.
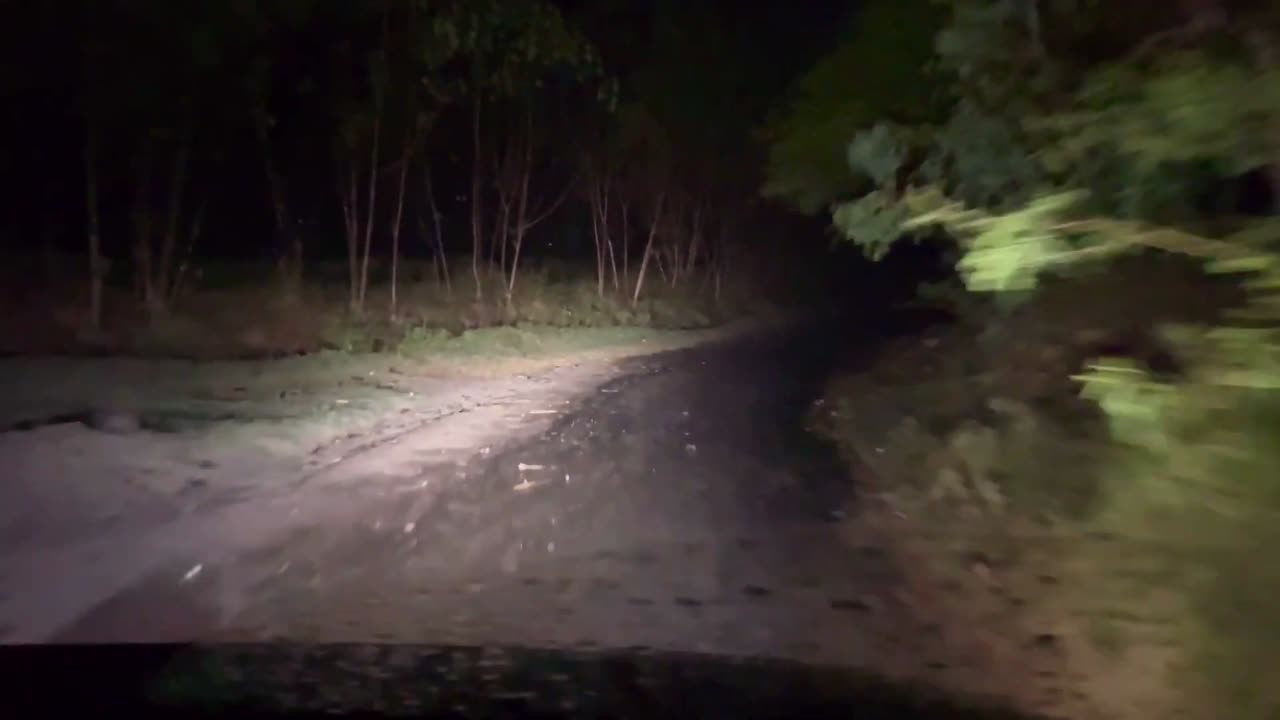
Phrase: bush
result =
(1193, 448)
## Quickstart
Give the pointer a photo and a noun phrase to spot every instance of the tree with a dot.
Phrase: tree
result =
(508, 49)
(390, 87)
(521, 208)
(1028, 120)
(683, 153)
(437, 237)
(91, 105)
(880, 71)
(177, 92)
(266, 87)
(360, 114)
(1052, 159)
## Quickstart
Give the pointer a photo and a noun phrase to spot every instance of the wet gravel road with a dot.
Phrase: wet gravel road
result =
(420, 681)
(679, 507)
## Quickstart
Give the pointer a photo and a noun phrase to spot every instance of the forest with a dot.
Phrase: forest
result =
(389, 165)
(1081, 195)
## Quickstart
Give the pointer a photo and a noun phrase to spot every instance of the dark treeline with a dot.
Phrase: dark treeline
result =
(142, 134)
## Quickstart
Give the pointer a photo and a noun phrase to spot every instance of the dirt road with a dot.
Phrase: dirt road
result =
(669, 501)
(260, 450)
(676, 507)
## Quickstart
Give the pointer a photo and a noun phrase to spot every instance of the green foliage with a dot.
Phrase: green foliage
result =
(1169, 111)
(996, 52)
(349, 335)
(879, 73)
(975, 157)
(686, 130)
(878, 154)
(1201, 453)
(1200, 446)
(1147, 137)
(1134, 404)
(982, 160)
(1008, 250)
(510, 46)
(1051, 161)
(874, 221)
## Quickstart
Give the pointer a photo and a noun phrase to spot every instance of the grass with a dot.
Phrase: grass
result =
(1186, 574)
(530, 348)
(519, 341)
(1162, 557)
(237, 311)
(1108, 636)
(248, 350)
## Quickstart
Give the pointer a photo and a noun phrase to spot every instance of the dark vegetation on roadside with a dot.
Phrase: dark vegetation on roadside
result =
(1086, 450)
(244, 315)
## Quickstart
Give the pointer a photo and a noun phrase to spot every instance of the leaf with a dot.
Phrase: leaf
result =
(877, 153)
(1252, 263)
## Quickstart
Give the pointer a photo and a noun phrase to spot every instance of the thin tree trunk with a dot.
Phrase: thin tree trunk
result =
(492, 259)
(288, 242)
(613, 260)
(169, 243)
(498, 171)
(695, 242)
(477, 222)
(626, 241)
(648, 251)
(501, 234)
(596, 235)
(351, 217)
(193, 235)
(605, 192)
(498, 238)
(437, 272)
(372, 200)
(425, 234)
(723, 257)
(439, 243)
(522, 207)
(142, 225)
(717, 271)
(507, 176)
(97, 264)
(515, 264)
(662, 265)
(597, 241)
(523, 223)
(395, 227)
(679, 238)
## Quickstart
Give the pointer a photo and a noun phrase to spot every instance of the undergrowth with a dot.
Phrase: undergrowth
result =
(219, 317)
(1130, 157)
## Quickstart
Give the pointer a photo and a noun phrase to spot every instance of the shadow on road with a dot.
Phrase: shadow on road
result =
(454, 682)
